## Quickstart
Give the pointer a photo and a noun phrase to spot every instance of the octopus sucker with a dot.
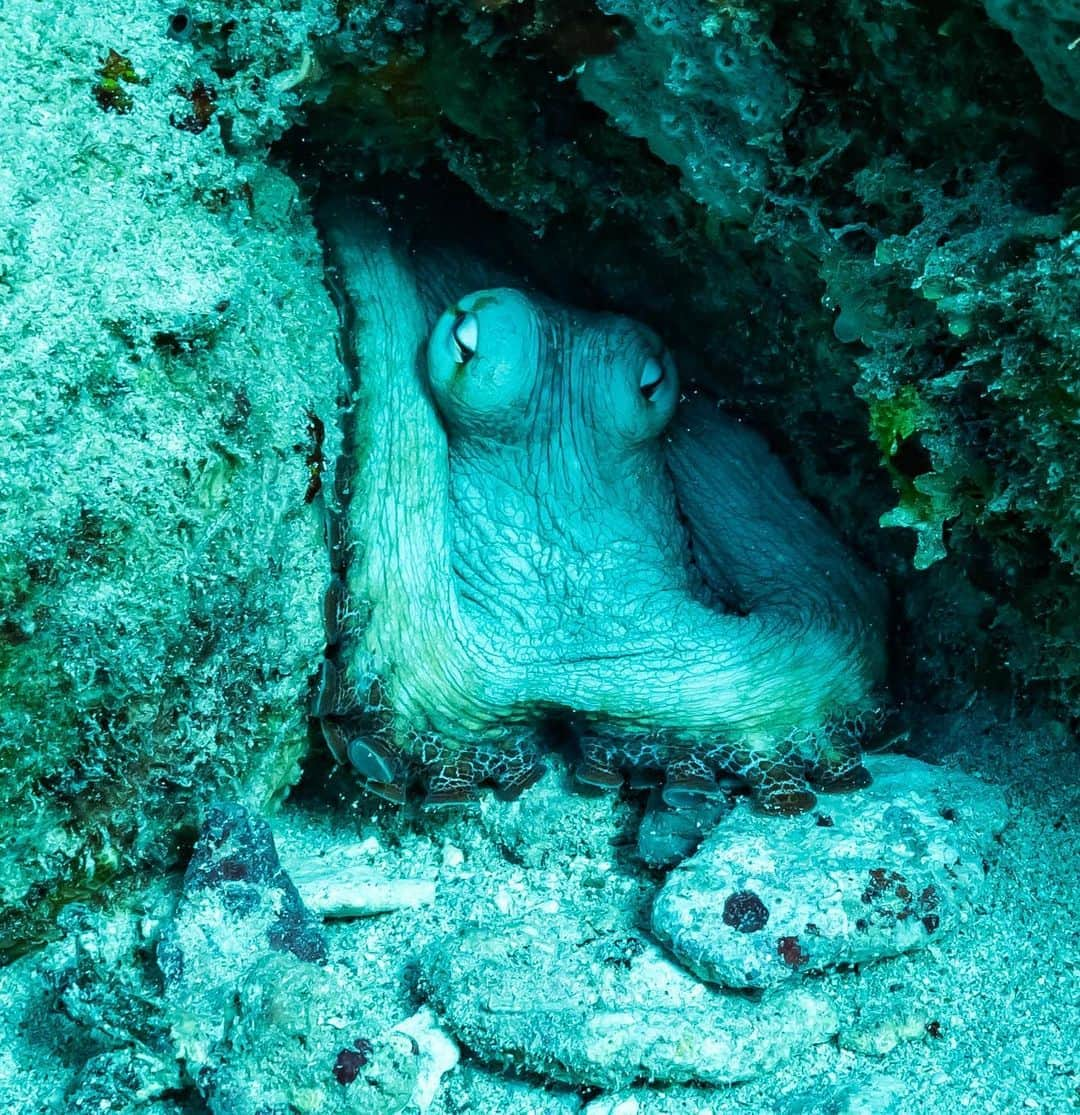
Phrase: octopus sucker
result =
(539, 522)
(688, 780)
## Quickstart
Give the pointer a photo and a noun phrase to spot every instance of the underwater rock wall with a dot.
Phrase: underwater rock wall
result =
(168, 370)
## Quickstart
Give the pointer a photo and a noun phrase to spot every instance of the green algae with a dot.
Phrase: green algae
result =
(115, 72)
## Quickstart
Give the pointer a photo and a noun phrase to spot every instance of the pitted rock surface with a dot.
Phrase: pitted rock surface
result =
(258, 1016)
(865, 876)
(557, 997)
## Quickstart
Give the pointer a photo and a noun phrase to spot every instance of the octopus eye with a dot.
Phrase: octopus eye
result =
(465, 334)
(652, 375)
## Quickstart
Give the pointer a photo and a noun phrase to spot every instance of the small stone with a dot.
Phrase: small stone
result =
(236, 882)
(340, 881)
(882, 1025)
(438, 1054)
(243, 957)
(678, 1100)
(331, 892)
(899, 867)
(667, 836)
(875, 1095)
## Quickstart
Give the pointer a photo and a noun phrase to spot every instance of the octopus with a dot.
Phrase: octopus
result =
(533, 524)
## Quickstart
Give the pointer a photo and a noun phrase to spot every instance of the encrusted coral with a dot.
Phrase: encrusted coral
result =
(166, 334)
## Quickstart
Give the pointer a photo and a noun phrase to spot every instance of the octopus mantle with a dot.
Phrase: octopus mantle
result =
(534, 522)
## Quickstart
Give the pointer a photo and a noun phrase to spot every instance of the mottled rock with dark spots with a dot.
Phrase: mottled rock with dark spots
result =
(301, 1042)
(867, 876)
(237, 905)
(235, 865)
(261, 1021)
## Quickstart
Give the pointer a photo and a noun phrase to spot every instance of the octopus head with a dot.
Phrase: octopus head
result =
(511, 366)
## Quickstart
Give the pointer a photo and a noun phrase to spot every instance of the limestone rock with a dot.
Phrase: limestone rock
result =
(556, 997)
(867, 875)
(871, 1096)
(165, 341)
(261, 1020)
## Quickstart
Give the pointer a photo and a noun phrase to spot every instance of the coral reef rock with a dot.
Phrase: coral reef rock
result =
(558, 997)
(167, 352)
(866, 876)
(260, 1019)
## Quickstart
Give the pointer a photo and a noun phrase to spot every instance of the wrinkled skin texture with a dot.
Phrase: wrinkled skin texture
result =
(536, 522)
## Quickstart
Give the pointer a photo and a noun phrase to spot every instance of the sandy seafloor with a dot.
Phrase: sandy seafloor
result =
(1005, 991)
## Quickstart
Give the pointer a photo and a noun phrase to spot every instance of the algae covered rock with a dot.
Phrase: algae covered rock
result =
(869, 875)
(701, 93)
(258, 1017)
(80, 1022)
(555, 996)
(168, 373)
(1046, 31)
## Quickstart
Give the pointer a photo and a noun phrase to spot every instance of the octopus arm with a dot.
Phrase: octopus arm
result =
(803, 639)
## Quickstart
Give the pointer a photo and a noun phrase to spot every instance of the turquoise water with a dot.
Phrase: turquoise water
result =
(648, 643)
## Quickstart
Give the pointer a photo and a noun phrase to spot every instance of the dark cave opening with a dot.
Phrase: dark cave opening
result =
(477, 132)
